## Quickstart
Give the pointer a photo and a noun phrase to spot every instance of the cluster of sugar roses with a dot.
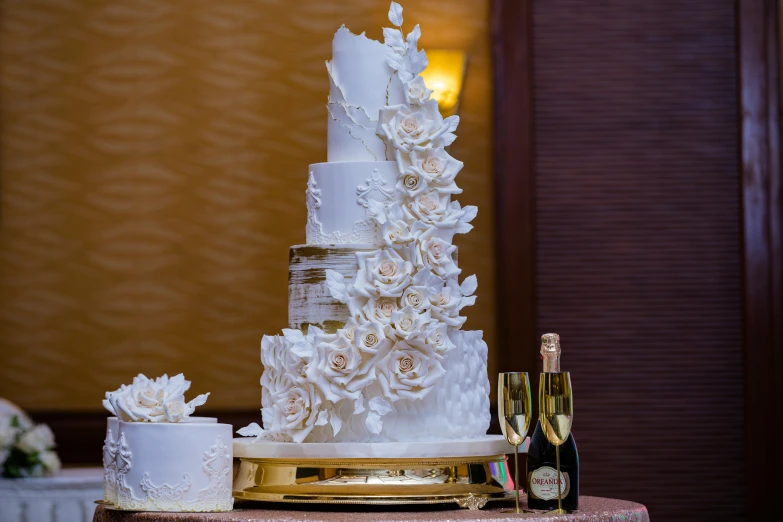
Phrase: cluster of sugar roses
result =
(148, 400)
(405, 298)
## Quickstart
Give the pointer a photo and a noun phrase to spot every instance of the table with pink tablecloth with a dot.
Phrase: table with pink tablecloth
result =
(591, 509)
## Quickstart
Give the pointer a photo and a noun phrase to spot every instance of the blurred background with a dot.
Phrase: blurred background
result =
(624, 157)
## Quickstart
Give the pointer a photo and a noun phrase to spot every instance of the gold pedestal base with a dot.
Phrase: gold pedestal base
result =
(470, 481)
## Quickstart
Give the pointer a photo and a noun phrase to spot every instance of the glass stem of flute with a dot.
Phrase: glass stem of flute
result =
(559, 485)
(516, 473)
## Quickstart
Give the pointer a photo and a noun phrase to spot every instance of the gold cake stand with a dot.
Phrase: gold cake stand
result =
(329, 474)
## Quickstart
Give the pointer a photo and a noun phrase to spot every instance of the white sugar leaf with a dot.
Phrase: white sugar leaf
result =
(358, 406)
(393, 38)
(293, 336)
(469, 285)
(463, 228)
(336, 423)
(302, 350)
(251, 430)
(323, 418)
(452, 122)
(377, 210)
(470, 213)
(373, 423)
(380, 406)
(395, 14)
(413, 38)
(335, 282)
(404, 74)
(395, 61)
(198, 401)
(312, 333)
(448, 138)
(418, 62)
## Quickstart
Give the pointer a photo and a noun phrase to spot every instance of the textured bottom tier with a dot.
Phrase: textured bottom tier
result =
(457, 406)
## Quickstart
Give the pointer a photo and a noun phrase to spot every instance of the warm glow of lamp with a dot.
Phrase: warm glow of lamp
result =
(444, 75)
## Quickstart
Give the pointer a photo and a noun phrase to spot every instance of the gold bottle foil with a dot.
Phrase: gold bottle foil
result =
(550, 352)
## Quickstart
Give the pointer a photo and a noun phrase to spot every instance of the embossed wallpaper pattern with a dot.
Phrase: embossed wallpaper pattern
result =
(153, 166)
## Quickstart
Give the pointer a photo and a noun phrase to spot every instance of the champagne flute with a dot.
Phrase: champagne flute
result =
(556, 407)
(514, 412)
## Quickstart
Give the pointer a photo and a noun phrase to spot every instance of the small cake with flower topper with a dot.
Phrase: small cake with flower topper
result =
(375, 357)
(157, 457)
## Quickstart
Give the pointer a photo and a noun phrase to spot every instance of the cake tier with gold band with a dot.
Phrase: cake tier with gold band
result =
(309, 299)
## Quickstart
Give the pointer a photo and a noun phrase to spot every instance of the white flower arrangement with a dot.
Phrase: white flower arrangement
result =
(404, 298)
(147, 400)
(26, 449)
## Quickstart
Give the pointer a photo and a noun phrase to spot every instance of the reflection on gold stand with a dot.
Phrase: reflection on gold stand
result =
(470, 482)
(556, 406)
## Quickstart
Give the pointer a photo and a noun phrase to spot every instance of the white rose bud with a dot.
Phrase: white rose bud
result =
(416, 92)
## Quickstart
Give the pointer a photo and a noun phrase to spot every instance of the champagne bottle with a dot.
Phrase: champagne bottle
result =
(541, 459)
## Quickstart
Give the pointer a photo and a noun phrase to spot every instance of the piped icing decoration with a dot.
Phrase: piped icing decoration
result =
(405, 300)
(148, 400)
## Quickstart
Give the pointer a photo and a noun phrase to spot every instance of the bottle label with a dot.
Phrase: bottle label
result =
(543, 484)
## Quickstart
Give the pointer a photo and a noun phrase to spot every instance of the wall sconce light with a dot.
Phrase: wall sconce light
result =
(445, 75)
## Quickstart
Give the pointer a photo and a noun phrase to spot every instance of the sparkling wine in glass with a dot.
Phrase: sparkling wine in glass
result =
(514, 412)
(556, 407)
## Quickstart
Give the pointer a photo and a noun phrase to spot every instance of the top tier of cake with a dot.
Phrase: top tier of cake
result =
(361, 83)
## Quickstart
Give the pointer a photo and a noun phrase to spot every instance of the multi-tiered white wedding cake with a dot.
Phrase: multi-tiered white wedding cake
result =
(375, 350)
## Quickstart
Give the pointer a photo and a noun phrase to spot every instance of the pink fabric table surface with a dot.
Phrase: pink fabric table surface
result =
(592, 509)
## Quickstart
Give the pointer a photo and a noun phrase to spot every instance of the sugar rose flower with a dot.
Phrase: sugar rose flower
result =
(437, 210)
(146, 400)
(437, 336)
(408, 321)
(437, 168)
(337, 368)
(286, 355)
(298, 412)
(416, 92)
(371, 339)
(447, 303)
(409, 370)
(380, 310)
(414, 127)
(383, 273)
(433, 253)
(417, 297)
(411, 183)
(37, 439)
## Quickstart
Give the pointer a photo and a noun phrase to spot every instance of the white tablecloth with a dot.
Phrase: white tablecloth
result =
(68, 497)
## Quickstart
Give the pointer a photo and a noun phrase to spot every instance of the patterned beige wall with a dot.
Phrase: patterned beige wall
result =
(153, 160)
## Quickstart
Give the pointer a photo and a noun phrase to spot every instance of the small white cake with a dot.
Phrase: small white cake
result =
(110, 447)
(174, 466)
(159, 458)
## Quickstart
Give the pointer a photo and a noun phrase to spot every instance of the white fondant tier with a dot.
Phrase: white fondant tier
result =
(309, 300)
(361, 83)
(483, 446)
(174, 466)
(338, 195)
(110, 448)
